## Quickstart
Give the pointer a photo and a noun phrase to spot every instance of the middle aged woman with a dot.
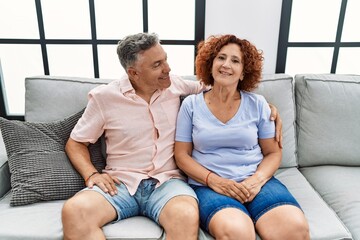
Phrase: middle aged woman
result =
(226, 145)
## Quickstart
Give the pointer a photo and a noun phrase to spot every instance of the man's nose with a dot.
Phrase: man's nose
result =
(166, 67)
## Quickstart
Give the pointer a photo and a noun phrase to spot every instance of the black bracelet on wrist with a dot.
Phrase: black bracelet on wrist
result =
(92, 174)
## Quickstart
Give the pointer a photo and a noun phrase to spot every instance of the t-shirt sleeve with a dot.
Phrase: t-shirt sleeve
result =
(91, 124)
(184, 123)
(266, 127)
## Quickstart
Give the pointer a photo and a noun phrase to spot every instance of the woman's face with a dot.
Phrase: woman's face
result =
(227, 68)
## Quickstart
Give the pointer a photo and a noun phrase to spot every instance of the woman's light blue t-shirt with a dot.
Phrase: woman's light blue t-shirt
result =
(229, 149)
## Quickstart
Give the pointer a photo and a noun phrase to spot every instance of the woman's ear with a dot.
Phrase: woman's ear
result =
(242, 77)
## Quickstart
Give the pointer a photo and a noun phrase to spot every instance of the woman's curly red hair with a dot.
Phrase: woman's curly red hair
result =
(252, 60)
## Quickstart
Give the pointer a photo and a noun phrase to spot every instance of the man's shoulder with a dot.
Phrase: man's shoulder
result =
(105, 88)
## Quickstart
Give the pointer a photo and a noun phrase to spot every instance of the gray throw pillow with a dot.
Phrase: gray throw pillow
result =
(40, 169)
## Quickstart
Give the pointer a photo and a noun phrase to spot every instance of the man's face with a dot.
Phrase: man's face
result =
(152, 70)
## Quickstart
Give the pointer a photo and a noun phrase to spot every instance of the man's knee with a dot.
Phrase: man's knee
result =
(180, 218)
(72, 209)
(183, 209)
(73, 220)
(84, 214)
(188, 212)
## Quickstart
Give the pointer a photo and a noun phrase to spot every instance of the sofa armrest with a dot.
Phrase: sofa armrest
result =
(4, 170)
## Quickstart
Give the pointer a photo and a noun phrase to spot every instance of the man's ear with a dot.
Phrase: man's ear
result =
(131, 72)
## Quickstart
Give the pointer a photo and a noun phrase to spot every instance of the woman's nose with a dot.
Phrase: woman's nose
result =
(226, 64)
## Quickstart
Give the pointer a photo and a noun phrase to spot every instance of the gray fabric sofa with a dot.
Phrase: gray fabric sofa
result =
(320, 165)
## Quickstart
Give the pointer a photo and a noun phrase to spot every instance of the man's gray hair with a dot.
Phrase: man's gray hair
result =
(129, 47)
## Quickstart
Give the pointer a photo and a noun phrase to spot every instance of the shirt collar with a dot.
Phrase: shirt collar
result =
(126, 86)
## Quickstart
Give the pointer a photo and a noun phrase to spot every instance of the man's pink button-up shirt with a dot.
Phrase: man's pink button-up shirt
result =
(139, 136)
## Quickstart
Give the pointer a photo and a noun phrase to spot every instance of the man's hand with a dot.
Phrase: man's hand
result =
(275, 116)
(104, 181)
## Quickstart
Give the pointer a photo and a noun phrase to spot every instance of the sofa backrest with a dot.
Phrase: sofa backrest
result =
(50, 98)
(278, 89)
(328, 119)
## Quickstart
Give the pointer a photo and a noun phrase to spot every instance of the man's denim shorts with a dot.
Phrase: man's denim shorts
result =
(272, 194)
(148, 200)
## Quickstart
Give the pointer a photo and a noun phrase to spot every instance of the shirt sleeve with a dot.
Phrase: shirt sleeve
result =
(91, 124)
(184, 123)
(266, 127)
(190, 86)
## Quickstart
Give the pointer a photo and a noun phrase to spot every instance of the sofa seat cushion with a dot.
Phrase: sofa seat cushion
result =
(324, 224)
(43, 221)
(339, 187)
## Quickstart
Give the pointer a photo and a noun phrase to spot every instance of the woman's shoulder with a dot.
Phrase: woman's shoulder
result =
(192, 101)
(253, 99)
(194, 97)
(253, 96)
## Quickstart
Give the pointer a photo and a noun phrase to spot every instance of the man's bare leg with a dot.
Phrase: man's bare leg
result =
(180, 218)
(84, 214)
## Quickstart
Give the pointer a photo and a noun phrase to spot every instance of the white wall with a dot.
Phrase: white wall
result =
(255, 20)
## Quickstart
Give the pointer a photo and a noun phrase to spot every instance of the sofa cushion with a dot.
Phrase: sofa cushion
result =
(50, 98)
(328, 119)
(4, 169)
(4, 178)
(324, 224)
(43, 221)
(339, 187)
(278, 89)
(39, 167)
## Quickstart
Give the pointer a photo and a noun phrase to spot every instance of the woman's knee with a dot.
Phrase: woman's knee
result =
(231, 223)
(293, 230)
(298, 227)
(285, 222)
